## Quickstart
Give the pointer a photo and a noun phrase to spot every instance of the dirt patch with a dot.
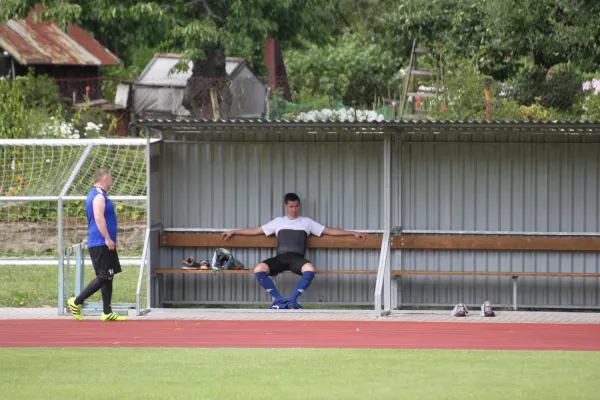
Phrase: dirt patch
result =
(31, 239)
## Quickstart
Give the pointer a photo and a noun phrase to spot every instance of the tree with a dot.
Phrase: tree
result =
(201, 30)
(497, 34)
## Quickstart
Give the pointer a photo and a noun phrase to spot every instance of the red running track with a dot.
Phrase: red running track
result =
(299, 334)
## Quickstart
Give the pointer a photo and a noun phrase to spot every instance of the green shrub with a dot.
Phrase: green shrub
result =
(526, 86)
(557, 87)
(40, 91)
(12, 110)
(561, 87)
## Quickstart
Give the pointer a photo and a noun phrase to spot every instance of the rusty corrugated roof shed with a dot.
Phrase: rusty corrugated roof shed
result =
(44, 43)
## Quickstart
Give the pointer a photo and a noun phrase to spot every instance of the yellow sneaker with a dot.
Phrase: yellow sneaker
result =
(75, 309)
(113, 317)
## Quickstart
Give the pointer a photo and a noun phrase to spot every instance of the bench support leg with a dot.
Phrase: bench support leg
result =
(387, 290)
(515, 292)
(394, 293)
(160, 287)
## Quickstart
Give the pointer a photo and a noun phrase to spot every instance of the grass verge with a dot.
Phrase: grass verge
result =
(297, 374)
(37, 286)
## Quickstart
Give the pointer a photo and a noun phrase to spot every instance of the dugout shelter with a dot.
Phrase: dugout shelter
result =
(457, 211)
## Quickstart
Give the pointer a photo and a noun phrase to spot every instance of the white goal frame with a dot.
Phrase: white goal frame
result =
(62, 197)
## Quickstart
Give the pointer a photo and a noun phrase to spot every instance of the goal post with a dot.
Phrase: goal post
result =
(43, 187)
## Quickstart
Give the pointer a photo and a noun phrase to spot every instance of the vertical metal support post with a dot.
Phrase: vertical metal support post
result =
(398, 286)
(515, 292)
(387, 216)
(68, 273)
(387, 293)
(82, 277)
(149, 287)
(63, 192)
(394, 292)
(138, 291)
(383, 254)
(79, 270)
(61, 277)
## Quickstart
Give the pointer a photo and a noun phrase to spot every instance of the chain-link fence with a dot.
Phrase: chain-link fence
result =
(43, 187)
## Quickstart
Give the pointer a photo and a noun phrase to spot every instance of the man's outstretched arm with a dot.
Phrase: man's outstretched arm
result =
(244, 232)
(341, 232)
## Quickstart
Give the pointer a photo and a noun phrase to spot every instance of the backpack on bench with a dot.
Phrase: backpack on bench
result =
(223, 260)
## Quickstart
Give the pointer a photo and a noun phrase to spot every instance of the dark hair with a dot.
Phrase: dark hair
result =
(290, 197)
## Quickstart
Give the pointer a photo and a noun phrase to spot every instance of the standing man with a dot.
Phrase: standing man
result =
(292, 233)
(102, 236)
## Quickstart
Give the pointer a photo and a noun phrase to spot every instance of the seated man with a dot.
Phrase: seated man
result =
(292, 233)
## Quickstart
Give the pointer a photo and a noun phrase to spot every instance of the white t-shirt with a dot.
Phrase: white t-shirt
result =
(300, 223)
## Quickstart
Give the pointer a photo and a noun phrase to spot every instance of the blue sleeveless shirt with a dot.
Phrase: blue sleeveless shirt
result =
(95, 238)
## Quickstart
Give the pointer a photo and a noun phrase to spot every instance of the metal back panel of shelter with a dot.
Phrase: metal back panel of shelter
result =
(492, 183)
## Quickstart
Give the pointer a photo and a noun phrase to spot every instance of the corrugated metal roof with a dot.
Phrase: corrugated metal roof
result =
(158, 70)
(413, 124)
(44, 43)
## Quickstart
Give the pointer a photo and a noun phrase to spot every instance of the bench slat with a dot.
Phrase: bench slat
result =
(494, 273)
(172, 271)
(216, 240)
(498, 242)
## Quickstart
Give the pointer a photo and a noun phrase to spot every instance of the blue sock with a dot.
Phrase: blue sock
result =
(268, 285)
(303, 284)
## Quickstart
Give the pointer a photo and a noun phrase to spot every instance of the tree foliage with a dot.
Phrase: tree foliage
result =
(357, 48)
(201, 30)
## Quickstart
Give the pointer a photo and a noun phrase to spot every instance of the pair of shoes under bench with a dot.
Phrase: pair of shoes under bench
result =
(285, 305)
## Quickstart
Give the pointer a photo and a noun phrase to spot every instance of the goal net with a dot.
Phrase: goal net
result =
(35, 174)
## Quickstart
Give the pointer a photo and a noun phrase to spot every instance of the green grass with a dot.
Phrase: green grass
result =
(37, 286)
(297, 374)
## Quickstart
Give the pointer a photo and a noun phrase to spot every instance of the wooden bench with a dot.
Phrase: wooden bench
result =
(496, 242)
(215, 240)
(263, 242)
(493, 243)
(403, 242)
(168, 271)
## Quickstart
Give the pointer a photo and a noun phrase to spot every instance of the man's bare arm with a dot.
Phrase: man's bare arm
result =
(341, 232)
(244, 232)
(99, 206)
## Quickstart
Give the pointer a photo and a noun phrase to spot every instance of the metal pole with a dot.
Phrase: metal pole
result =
(399, 181)
(61, 250)
(61, 278)
(141, 273)
(385, 243)
(387, 211)
(68, 273)
(29, 198)
(148, 222)
(74, 142)
(515, 292)
(67, 198)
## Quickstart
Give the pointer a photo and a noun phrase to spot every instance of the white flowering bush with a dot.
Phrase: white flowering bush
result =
(341, 114)
(92, 128)
(591, 102)
(58, 129)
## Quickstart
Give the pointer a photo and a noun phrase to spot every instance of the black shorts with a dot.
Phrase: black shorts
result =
(286, 262)
(106, 262)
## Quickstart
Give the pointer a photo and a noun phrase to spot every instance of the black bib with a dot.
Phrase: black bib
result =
(291, 241)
